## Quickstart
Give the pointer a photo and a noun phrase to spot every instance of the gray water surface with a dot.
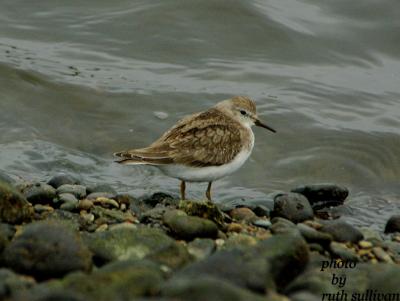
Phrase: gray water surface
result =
(80, 80)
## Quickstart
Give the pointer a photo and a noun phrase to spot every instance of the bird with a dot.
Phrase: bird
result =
(202, 147)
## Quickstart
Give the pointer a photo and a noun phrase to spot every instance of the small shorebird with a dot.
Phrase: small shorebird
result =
(203, 147)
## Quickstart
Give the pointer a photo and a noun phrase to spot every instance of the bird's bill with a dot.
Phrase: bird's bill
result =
(257, 122)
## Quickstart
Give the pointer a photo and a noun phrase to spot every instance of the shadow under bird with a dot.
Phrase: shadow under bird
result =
(203, 147)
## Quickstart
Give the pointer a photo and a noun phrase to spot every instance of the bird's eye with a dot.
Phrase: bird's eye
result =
(243, 112)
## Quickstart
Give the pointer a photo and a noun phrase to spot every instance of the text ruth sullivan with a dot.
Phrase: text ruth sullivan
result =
(339, 280)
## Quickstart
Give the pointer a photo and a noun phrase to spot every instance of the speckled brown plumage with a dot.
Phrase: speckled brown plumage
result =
(209, 138)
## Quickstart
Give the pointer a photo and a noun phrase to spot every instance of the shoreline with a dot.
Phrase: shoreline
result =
(66, 239)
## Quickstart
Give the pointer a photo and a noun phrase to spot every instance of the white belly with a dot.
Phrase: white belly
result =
(205, 174)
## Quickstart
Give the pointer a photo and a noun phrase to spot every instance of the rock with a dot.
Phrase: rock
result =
(342, 231)
(175, 256)
(243, 214)
(67, 198)
(281, 226)
(364, 244)
(393, 224)
(189, 227)
(237, 267)
(201, 248)
(287, 254)
(160, 198)
(78, 191)
(101, 188)
(111, 216)
(105, 202)
(39, 208)
(95, 195)
(127, 243)
(69, 219)
(292, 206)
(323, 195)
(69, 206)
(6, 234)
(371, 235)
(85, 204)
(381, 255)
(40, 193)
(14, 208)
(339, 250)
(122, 280)
(240, 241)
(262, 223)
(206, 288)
(313, 236)
(205, 210)
(46, 250)
(153, 215)
(261, 210)
(62, 179)
(11, 284)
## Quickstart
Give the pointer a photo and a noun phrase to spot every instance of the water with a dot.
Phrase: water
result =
(79, 81)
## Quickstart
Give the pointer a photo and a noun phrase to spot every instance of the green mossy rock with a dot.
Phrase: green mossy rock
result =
(14, 208)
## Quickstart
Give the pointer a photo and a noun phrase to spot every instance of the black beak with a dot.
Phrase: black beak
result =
(259, 123)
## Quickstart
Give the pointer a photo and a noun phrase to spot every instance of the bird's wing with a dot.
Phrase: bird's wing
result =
(204, 139)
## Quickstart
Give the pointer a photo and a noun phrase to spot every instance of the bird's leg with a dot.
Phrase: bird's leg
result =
(208, 192)
(183, 188)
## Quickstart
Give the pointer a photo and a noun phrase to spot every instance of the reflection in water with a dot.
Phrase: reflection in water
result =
(78, 82)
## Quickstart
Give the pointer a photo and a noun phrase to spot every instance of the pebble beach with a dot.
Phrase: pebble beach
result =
(64, 239)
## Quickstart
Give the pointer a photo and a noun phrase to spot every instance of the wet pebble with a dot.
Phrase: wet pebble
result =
(381, 255)
(46, 250)
(39, 208)
(292, 206)
(262, 223)
(339, 250)
(61, 179)
(189, 227)
(313, 236)
(201, 248)
(40, 193)
(243, 214)
(323, 195)
(85, 204)
(78, 191)
(342, 231)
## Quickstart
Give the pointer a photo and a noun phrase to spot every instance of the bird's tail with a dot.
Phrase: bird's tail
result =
(142, 156)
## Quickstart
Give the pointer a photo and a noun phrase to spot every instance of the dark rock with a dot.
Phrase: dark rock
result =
(342, 231)
(339, 250)
(201, 248)
(261, 210)
(14, 208)
(119, 281)
(205, 210)
(287, 254)
(292, 206)
(67, 197)
(278, 259)
(101, 188)
(153, 215)
(323, 195)
(237, 267)
(46, 250)
(40, 193)
(393, 224)
(243, 214)
(313, 236)
(127, 243)
(189, 227)
(78, 191)
(160, 198)
(11, 284)
(62, 179)
(206, 288)
(6, 234)
(281, 225)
